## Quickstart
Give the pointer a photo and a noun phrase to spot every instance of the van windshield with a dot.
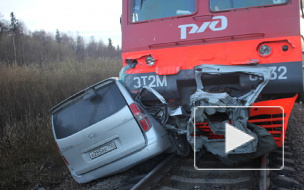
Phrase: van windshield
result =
(142, 10)
(88, 109)
(219, 5)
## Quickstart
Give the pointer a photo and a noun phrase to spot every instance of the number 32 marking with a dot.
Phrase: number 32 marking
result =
(277, 73)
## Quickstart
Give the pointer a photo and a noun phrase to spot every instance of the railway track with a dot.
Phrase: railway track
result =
(179, 173)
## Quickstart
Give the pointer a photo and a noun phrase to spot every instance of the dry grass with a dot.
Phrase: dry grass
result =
(28, 154)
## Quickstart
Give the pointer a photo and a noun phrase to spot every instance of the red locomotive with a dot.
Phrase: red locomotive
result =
(165, 43)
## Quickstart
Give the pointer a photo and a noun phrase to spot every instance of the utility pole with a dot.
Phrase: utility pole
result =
(15, 54)
(14, 27)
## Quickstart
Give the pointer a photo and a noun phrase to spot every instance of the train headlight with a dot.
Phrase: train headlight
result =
(150, 60)
(265, 50)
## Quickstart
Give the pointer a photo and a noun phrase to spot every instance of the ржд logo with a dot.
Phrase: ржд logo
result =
(213, 25)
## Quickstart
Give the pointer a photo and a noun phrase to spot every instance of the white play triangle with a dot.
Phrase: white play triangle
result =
(235, 138)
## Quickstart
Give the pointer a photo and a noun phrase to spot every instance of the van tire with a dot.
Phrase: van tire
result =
(180, 144)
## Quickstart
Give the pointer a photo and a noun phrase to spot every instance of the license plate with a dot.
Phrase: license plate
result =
(102, 150)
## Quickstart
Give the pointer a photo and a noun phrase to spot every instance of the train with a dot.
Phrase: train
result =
(213, 62)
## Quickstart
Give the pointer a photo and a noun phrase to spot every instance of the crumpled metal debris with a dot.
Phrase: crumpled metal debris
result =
(228, 108)
(217, 108)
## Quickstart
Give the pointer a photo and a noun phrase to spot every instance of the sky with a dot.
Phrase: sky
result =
(98, 18)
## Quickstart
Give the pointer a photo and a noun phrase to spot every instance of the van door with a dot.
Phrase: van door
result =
(96, 127)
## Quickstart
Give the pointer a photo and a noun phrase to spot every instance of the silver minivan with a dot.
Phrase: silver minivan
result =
(102, 130)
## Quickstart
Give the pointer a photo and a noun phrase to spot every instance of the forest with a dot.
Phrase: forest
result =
(18, 45)
(37, 71)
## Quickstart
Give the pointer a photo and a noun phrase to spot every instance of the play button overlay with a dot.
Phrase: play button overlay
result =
(216, 140)
(235, 138)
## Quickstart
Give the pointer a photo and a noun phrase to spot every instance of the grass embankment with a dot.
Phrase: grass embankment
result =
(28, 154)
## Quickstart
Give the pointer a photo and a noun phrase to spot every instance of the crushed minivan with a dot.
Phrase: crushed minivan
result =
(102, 130)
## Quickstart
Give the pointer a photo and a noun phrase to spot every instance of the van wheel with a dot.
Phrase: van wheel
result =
(180, 144)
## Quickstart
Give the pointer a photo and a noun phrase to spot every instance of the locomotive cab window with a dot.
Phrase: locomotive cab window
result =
(220, 5)
(142, 10)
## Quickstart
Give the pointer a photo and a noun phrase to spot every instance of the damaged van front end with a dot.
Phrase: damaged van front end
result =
(224, 95)
(229, 104)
